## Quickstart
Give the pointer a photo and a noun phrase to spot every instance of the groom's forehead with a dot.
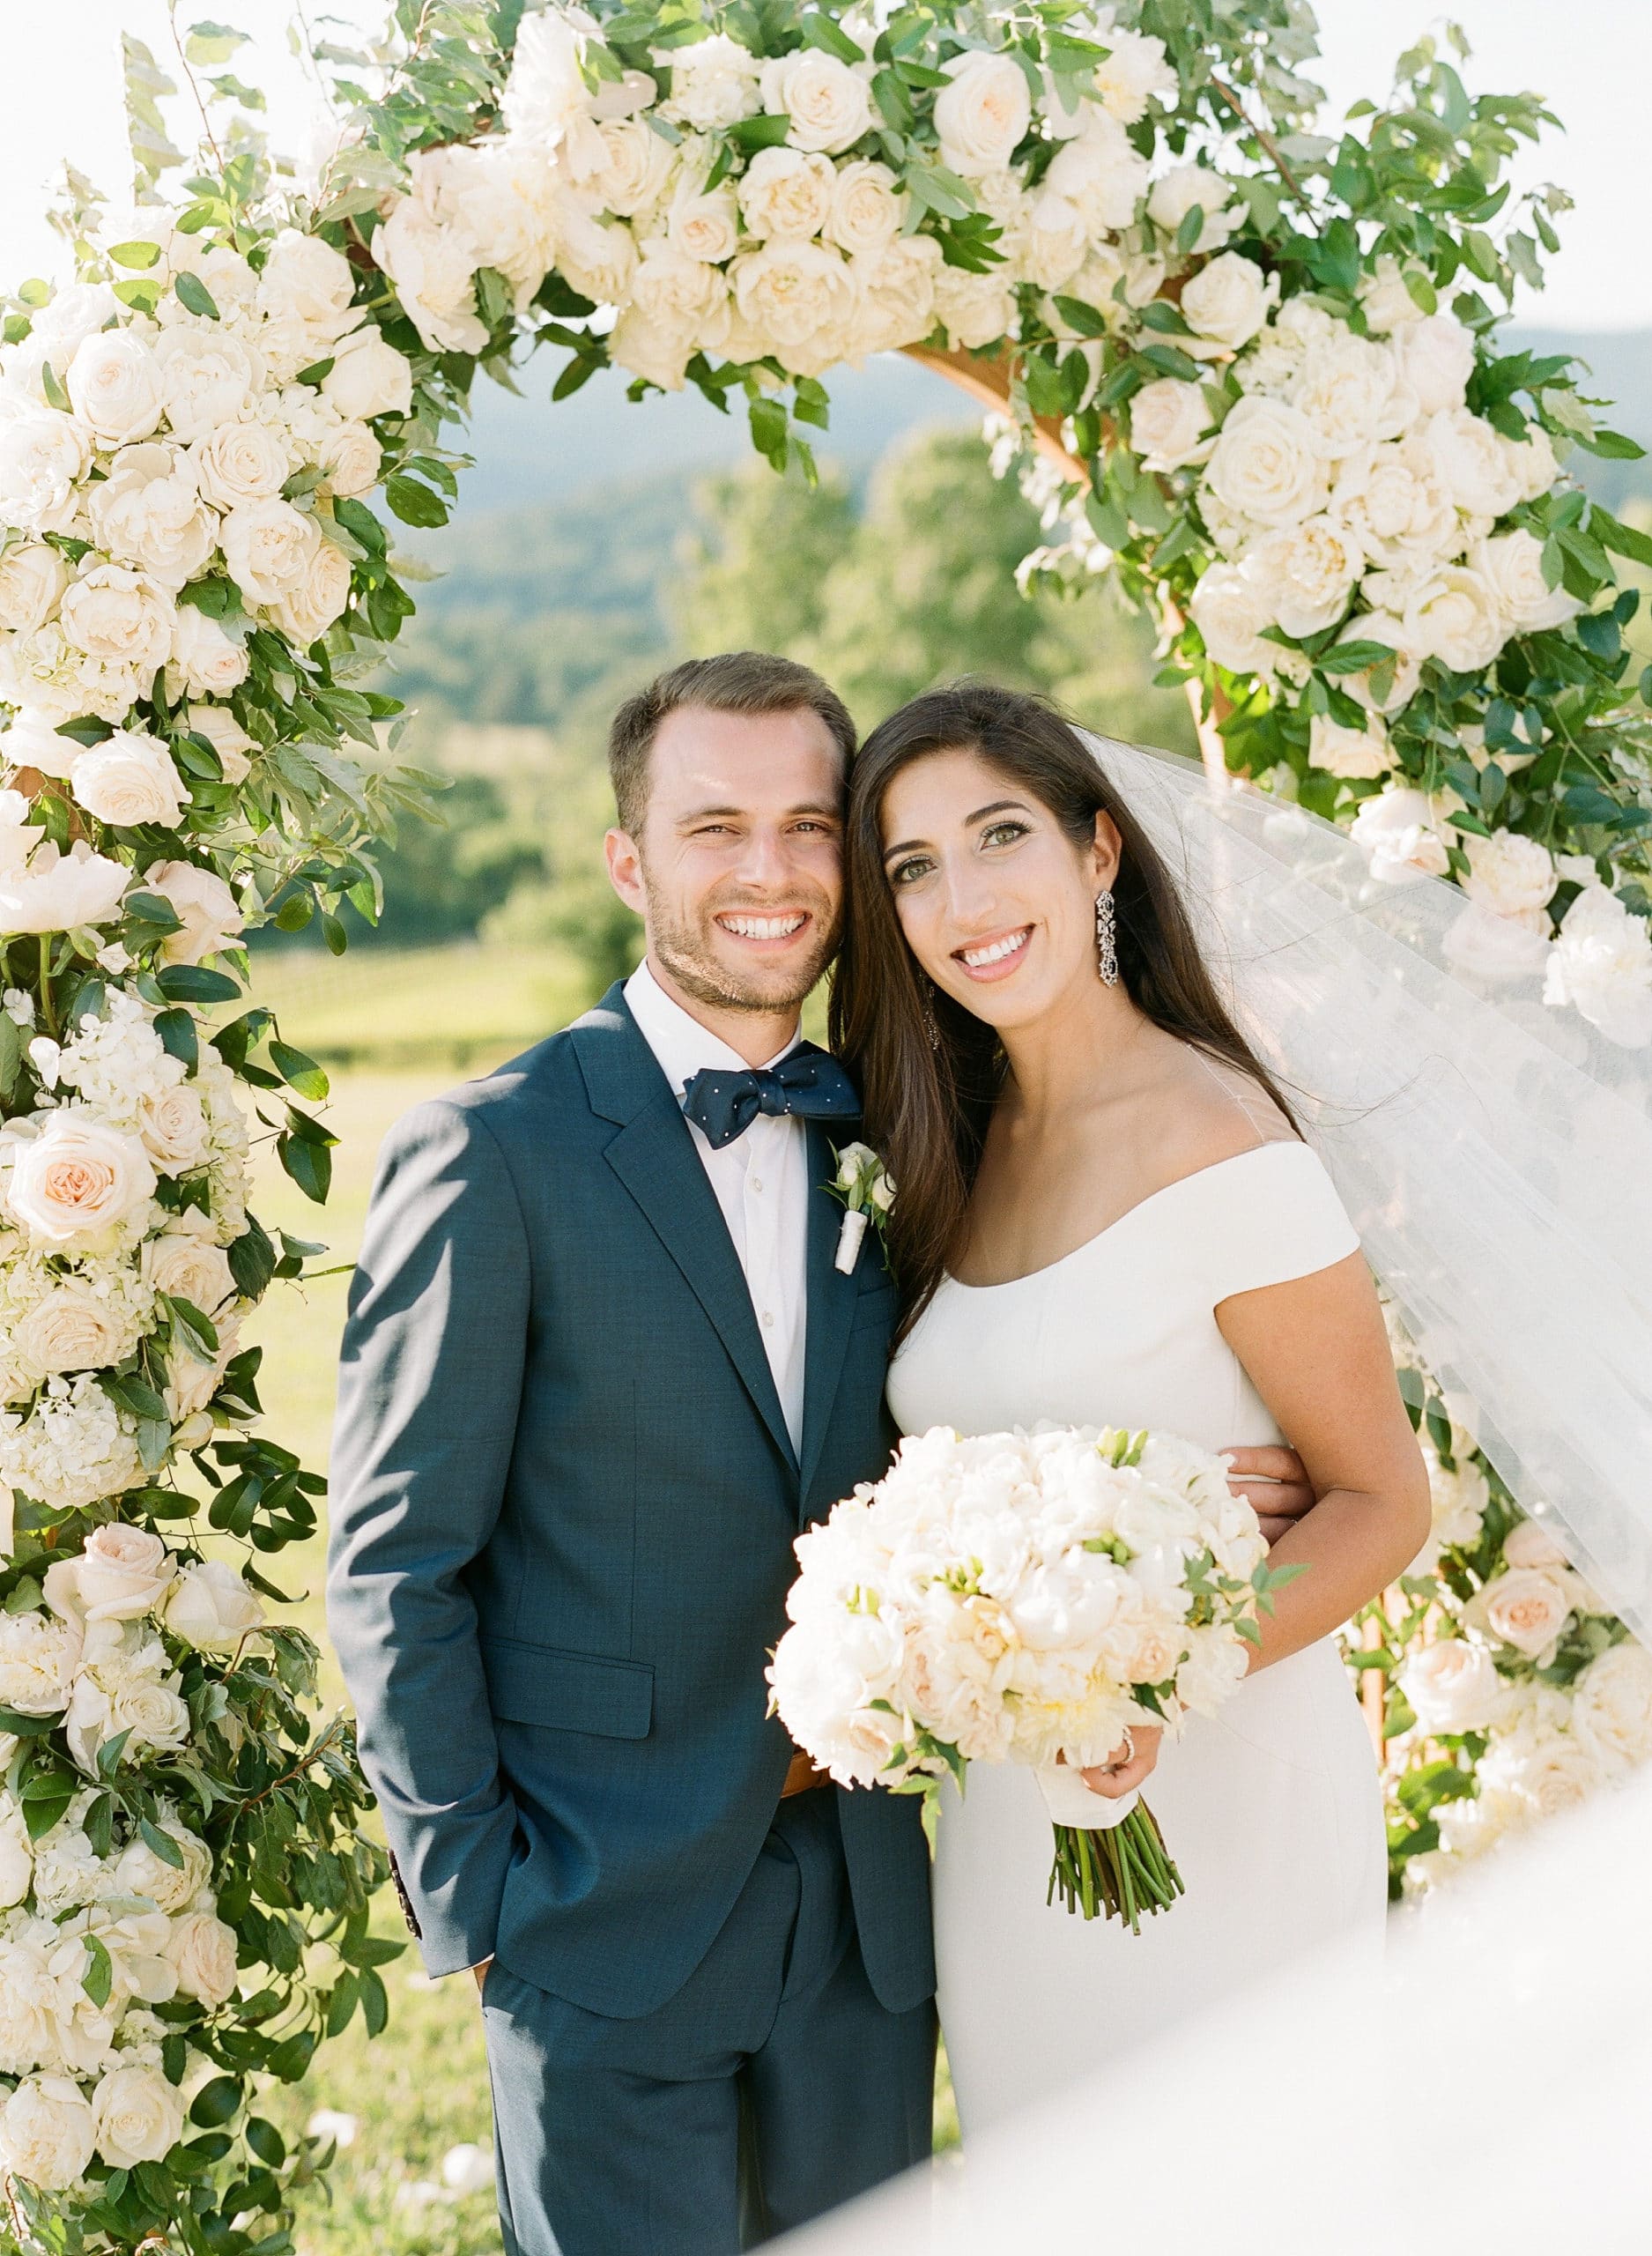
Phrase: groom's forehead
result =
(763, 763)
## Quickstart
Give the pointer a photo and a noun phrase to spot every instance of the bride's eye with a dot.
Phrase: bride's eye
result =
(1004, 833)
(914, 866)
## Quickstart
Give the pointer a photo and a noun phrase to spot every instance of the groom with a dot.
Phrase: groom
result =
(599, 1370)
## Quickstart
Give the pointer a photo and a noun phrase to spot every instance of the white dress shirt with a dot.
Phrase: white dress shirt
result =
(761, 1181)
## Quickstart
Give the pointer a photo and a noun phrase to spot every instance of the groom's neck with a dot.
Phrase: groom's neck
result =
(757, 1036)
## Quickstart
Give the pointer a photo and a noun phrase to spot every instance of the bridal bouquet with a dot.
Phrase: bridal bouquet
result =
(1026, 1597)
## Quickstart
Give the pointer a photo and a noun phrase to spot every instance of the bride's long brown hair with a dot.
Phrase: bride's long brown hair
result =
(927, 1107)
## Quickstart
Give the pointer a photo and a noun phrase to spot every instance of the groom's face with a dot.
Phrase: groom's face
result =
(738, 872)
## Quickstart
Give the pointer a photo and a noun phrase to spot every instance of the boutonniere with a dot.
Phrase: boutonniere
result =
(864, 1185)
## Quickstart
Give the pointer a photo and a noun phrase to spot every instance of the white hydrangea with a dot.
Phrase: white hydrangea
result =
(74, 1448)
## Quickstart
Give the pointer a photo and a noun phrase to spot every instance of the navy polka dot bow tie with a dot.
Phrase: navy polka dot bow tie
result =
(807, 1082)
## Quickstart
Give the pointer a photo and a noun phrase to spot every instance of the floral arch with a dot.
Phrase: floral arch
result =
(1256, 371)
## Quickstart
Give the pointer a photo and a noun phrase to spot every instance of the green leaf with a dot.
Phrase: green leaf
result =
(768, 132)
(194, 293)
(52, 385)
(1611, 446)
(266, 2141)
(161, 1845)
(413, 503)
(310, 1165)
(139, 257)
(216, 2103)
(298, 1071)
(360, 523)
(179, 1037)
(99, 1977)
(820, 31)
(1082, 319)
(193, 982)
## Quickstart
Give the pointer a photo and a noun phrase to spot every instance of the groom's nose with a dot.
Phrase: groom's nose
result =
(766, 861)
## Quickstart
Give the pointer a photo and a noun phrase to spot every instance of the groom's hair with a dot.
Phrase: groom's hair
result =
(734, 681)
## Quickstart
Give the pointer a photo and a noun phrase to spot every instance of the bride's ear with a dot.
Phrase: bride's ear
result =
(1107, 851)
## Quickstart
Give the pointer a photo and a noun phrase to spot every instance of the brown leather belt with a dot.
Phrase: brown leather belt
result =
(801, 1776)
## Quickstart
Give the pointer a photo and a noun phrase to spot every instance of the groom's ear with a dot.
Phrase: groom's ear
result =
(624, 869)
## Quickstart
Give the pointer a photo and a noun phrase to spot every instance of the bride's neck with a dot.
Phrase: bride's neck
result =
(1072, 1053)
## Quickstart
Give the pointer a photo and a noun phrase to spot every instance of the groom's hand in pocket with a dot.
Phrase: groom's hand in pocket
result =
(480, 1972)
(1274, 1481)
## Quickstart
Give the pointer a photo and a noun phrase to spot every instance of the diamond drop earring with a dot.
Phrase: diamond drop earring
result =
(1106, 940)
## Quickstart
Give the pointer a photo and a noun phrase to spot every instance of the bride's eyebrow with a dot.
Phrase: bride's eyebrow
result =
(998, 806)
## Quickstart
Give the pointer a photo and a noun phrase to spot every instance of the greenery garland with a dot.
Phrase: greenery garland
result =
(1274, 360)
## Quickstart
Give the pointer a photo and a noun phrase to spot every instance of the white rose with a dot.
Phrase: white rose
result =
(189, 1267)
(129, 779)
(599, 262)
(1472, 463)
(149, 512)
(169, 1887)
(975, 309)
(240, 462)
(351, 459)
(867, 209)
(1228, 300)
(76, 1180)
(1507, 873)
(211, 920)
(269, 548)
(1168, 423)
(1453, 1686)
(306, 278)
(191, 1382)
(1528, 1607)
(1386, 301)
(1231, 608)
(1403, 674)
(1400, 830)
(705, 227)
(1264, 466)
(115, 383)
(1350, 391)
(208, 377)
(1512, 563)
(17, 1857)
(1310, 568)
(38, 1656)
(47, 2132)
(1532, 461)
(1436, 358)
(139, 2116)
(1454, 617)
(227, 738)
(829, 102)
(368, 377)
(787, 192)
(71, 1329)
(175, 1129)
(1182, 189)
(1101, 172)
(1392, 498)
(206, 661)
(202, 1948)
(119, 1573)
(1482, 945)
(790, 290)
(154, 1716)
(984, 114)
(1530, 1544)
(32, 582)
(212, 1607)
(32, 742)
(1602, 965)
(52, 892)
(1055, 242)
(306, 612)
(658, 351)
(714, 83)
(1611, 1711)
(496, 201)
(895, 295)
(42, 459)
(119, 615)
(1134, 71)
(635, 167)
(1359, 755)
(433, 269)
(76, 312)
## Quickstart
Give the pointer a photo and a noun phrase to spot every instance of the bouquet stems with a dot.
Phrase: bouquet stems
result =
(1119, 1873)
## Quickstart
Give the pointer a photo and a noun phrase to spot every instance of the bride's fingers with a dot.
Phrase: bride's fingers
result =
(1113, 1784)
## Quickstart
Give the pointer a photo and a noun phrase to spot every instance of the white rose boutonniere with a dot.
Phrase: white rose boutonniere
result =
(864, 1185)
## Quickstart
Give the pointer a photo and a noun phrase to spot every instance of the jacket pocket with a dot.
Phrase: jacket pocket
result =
(563, 1691)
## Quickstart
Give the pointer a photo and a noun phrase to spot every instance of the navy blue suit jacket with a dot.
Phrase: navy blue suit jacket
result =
(564, 1507)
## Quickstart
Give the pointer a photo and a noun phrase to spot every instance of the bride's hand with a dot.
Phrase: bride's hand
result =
(1124, 1771)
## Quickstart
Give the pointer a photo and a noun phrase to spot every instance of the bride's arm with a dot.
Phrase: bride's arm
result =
(1317, 1352)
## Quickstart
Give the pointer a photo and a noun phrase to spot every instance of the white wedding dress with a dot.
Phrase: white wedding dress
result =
(1271, 1811)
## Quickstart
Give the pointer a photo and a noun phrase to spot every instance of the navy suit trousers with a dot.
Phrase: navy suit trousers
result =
(772, 2087)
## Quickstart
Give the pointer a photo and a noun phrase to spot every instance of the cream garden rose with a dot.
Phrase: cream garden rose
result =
(866, 208)
(189, 1267)
(76, 1180)
(983, 115)
(828, 102)
(212, 1607)
(202, 1949)
(206, 661)
(1509, 874)
(305, 612)
(1228, 300)
(115, 384)
(1453, 1686)
(242, 463)
(139, 2116)
(368, 377)
(269, 548)
(1359, 755)
(1527, 1608)
(210, 917)
(1168, 422)
(1264, 466)
(148, 512)
(121, 616)
(71, 1328)
(33, 579)
(119, 1573)
(129, 779)
(47, 2132)
(227, 738)
(787, 192)
(1400, 829)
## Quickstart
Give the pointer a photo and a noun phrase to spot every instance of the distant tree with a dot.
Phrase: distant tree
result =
(754, 575)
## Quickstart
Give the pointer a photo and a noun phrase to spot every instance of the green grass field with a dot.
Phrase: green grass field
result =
(392, 1027)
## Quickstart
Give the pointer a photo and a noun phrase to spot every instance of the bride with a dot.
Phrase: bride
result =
(1106, 1214)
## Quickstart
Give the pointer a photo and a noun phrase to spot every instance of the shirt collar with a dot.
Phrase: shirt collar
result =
(679, 1042)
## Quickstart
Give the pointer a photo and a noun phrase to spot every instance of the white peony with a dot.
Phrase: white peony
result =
(1602, 964)
(129, 779)
(212, 1607)
(38, 1656)
(714, 83)
(240, 462)
(1359, 755)
(32, 742)
(42, 459)
(169, 1887)
(149, 512)
(1134, 72)
(17, 1865)
(208, 377)
(1231, 607)
(866, 210)
(44, 890)
(137, 2114)
(983, 115)
(787, 192)
(123, 617)
(270, 549)
(1228, 300)
(1101, 173)
(1482, 945)
(305, 281)
(1611, 1710)
(1532, 461)
(33, 579)
(1400, 830)
(1190, 187)
(894, 295)
(975, 309)
(202, 1949)
(114, 385)
(227, 738)
(76, 1180)
(47, 2132)
(1310, 570)
(828, 102)
(1453, 1686)
(1472, 463)
(306, 612)
(368, 377)
(599, 262)
(658, 351)
(790, 292)
(1351, 390)
(1169, 420)
(1454, 617)
(1436, 357)
(1389, 495)
(1509, 874)
(1264, 467)
(1512, 563)
(433, 269)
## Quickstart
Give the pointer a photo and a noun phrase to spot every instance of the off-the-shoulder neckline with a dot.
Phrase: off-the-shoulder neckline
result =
(1233, 1159)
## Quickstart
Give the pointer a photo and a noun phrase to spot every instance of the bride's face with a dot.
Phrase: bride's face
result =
(995, 902)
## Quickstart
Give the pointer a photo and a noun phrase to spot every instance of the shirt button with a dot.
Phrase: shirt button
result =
(756, 1183)
(769, 1318)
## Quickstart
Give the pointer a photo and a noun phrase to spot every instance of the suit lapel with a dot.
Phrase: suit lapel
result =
(654, 1156)
(832, 1301)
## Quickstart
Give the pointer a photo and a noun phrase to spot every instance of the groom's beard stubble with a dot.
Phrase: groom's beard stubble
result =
(689, 951)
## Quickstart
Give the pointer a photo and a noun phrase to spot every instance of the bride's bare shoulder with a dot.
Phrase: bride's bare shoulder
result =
(1210, 1111)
